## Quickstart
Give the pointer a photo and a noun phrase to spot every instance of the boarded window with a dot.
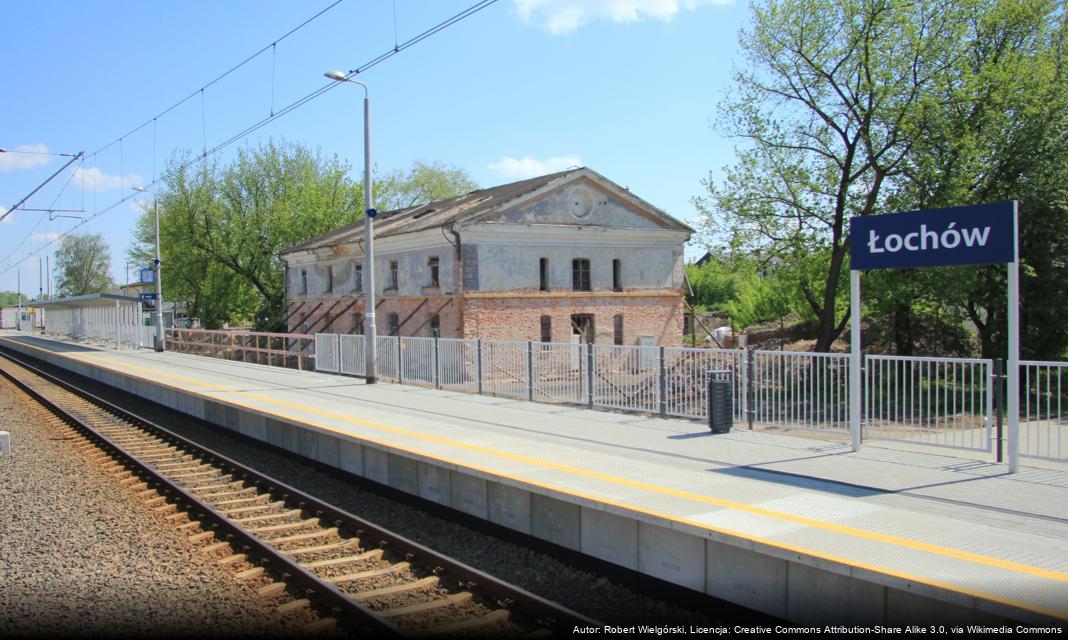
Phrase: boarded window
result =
(617, 275)
(330, 278)
(357, 277)
(394, 324)
(393, 278)
(304, 281)
(546, 329)
(432, 264)
(617, 322)
(582, 326)
(580, 274)
(435, 326)
(543, 274)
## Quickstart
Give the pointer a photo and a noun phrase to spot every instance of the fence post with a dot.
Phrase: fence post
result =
(478, 363)
(437, 361)
(589, 374)
(750, 387)
(530, 371)
(399, 367)
(999, 407)
(662, 383)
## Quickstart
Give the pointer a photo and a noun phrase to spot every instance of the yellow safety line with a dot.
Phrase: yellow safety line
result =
(819, 524)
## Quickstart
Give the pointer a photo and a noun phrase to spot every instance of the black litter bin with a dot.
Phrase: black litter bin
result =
(720, 400)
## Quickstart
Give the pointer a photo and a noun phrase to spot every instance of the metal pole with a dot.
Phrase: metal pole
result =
(999, 409)
(662, 386)
(437, 367)
(369, 251)
(478, 363)
(530, 371)
(854, 358)
(18, 320)
(1012, 378)
(589, 374)
(160, 342)
(750, 387)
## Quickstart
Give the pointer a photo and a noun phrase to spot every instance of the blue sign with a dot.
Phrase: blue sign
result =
(146, 297)
(372, 213)
(976, 234)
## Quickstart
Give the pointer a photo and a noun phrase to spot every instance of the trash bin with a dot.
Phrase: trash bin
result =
(720, 400)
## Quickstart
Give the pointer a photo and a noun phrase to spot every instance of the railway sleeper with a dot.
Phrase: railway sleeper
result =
(496, 617)
(252, 508)
(407, 587)
(335, 546)
(301, 537)
(292, 513)
(292, 526)
(373, 554)
(400, 567)
(252, 498)
(451, 600)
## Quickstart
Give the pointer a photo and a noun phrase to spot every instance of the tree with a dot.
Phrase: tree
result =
(222, 228)
(11, 298)
(84, 265)
(841, 107)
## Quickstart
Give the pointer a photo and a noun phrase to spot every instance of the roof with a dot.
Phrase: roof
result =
(85, 300)
(452, 210)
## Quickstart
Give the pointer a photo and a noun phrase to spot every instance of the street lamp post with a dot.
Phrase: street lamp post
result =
(160, 340)
(370, 334)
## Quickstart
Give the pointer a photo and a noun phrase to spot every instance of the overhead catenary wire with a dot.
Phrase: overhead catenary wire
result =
(296, 104)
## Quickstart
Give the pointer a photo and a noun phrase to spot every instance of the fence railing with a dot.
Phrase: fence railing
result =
(291, 350)
(1043, 407)
(953, 402)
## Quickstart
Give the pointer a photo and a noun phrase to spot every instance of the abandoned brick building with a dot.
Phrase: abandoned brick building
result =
(562, 257)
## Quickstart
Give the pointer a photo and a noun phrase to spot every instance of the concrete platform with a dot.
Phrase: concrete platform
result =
(798, 528)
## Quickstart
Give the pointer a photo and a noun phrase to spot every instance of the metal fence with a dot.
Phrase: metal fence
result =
(942, 401)
(291, 350)
(952, 402)
(1044, 401)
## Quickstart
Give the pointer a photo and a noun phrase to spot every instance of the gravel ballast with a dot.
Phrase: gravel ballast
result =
(82, 556)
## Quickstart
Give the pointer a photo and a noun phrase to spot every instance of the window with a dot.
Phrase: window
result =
(580, 274)
(330, 278)
(617, 321)
(546, 329)
(432, 263)
(582, 326)
(393, 274)
(357, 323)
(617, 275)
(304, 281)
(357, 277)
(394, 324)
(543, 271)
(435, 326)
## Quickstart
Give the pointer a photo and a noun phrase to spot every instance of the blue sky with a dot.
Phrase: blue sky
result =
(626, 87)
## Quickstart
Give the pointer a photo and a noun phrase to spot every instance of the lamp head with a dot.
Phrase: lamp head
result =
(340, 76)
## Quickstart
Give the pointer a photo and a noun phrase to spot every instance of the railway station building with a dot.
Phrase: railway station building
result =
(569, 256)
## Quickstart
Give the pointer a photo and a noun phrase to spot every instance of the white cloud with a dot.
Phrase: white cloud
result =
(45, 237)
(564, 16)
(96, 180)
(29, 159)
(527, 167)
(9, 219)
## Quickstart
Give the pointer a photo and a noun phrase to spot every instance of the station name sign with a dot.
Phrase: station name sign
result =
(976, 234)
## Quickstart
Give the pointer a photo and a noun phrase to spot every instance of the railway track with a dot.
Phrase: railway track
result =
(347, 570)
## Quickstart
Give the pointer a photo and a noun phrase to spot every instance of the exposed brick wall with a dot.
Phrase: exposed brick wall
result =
(500, 318)
(412, 312)
(519, 318)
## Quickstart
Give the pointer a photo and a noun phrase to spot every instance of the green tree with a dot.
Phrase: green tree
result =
(11, 298)
(858, 107)
(84, 265)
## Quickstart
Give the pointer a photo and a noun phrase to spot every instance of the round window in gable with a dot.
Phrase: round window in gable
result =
(580, 201)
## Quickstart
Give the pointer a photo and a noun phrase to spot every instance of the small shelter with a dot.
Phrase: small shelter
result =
(103, 318)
